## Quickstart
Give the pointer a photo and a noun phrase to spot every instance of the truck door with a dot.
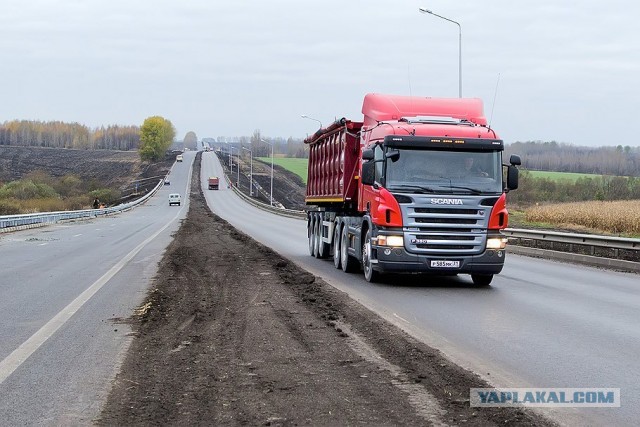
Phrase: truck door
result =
(371, 193)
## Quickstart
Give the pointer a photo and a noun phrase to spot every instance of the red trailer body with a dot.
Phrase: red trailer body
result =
(214, 182)
(369, 210)
(334, 161)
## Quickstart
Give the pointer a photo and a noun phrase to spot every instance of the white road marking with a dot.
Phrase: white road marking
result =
(398, 317)
(27, 348)
(77, 235)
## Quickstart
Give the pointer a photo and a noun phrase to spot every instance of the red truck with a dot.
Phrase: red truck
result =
(214, 182)
(417, 187)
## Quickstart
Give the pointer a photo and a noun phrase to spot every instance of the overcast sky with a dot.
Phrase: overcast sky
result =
(564, 71)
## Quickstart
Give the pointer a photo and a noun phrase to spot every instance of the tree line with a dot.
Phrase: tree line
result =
(57, 134)
(560, 157)
(289, 147)
(152, 139)
(536, 155)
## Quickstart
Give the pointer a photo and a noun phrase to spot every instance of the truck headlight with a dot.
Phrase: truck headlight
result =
(496, 243)
(390, 240)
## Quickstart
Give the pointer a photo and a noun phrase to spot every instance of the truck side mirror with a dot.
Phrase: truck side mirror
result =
(515, 160)
(367, 154)
(512, 177)
(368, 172)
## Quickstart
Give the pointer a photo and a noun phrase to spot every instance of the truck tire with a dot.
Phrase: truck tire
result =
(482, 279)
(336, 245)
(323, 247)
(370, 274)
(316, 238)
(312, 236)
(348, 263)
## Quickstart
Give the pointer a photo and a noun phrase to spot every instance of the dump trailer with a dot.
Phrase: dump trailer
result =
(214, 182)
(416, 187)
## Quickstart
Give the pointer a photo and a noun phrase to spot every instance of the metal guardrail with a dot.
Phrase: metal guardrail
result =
(258, 204)
(11, 222)
(592, 240)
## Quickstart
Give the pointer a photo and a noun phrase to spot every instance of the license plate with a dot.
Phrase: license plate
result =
(445, 264)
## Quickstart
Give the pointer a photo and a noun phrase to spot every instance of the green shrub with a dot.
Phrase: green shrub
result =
(69, 185)
(26, 189)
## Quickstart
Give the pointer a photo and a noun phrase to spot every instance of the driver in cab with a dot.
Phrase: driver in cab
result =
(470, 169)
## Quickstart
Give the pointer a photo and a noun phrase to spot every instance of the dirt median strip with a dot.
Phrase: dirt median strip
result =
(233, 334)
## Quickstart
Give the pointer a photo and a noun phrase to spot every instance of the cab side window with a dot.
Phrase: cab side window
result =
(379, 159)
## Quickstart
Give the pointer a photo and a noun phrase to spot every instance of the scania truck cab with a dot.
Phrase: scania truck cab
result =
(435, 205)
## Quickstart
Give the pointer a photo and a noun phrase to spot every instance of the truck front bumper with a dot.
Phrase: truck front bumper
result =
(398, 260)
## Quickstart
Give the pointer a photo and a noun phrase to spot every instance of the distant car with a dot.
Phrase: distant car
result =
(179, 158)
(167, 182)
(174, 199)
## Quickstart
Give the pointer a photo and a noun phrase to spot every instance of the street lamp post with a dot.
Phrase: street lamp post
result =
(230, 157)
(250, 171)
(271, 144)
(304, 116)
(237, 166)
(423, 10)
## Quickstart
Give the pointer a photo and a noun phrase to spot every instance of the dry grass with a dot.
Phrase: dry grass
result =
(618, 217)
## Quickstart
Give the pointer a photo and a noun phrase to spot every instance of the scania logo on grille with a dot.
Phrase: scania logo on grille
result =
(446, 202)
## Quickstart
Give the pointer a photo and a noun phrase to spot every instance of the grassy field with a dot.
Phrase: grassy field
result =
(556, 176)
(617, 217)
(297, 166)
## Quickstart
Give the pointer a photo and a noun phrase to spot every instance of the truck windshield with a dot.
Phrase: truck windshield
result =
(462, 172)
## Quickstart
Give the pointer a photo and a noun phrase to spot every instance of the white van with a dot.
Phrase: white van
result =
(174, 199)
(179, 158)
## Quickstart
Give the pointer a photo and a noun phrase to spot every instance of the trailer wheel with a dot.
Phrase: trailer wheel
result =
(370, 274)
(347, 262)
(482, 279)
(336, 246)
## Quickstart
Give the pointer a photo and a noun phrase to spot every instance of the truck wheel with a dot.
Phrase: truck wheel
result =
(347, 262)
(312, 236)
(482, 279)
(323, 247)
(336, 246)
(370, 274)
(316, 239)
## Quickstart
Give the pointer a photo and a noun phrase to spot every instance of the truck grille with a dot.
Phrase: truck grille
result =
(431, 229)
(445, 221)
(441, 211)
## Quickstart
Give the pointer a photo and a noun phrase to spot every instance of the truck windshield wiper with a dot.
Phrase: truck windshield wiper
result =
(473, 190)
(414, 188)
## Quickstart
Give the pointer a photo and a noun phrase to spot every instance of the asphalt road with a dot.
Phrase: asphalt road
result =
(540, 324)
(63, 291)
